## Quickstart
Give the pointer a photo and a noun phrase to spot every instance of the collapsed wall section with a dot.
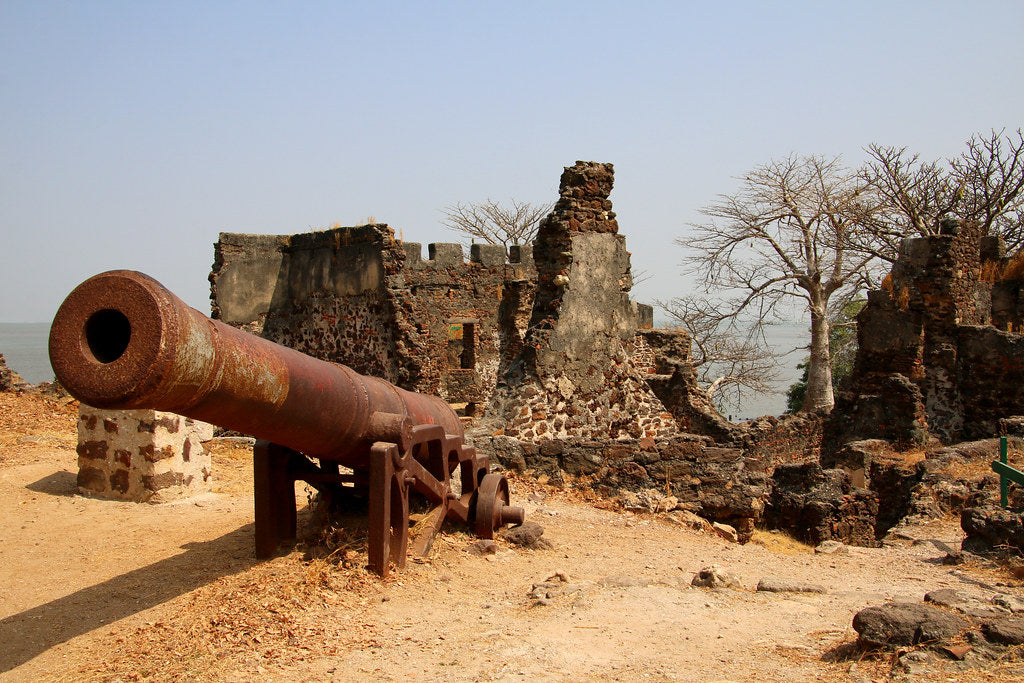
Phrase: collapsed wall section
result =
(575, 376)
(930, 363)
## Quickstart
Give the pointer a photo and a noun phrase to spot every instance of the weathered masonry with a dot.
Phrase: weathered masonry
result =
(142, 455)
(359, 296)
(578, 375)
(940, 352)
(565, 370)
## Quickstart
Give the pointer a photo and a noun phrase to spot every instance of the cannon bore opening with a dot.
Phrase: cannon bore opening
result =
(108, 333)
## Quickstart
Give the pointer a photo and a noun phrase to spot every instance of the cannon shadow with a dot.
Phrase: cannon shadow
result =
(28, 634)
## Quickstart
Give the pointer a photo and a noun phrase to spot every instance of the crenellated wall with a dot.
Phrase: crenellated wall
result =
(358, 296)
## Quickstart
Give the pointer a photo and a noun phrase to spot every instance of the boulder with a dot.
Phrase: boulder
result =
(896, 624)
(989, 530)
(715, 577)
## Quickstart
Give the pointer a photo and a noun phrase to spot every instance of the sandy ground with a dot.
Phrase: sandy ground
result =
(100, 590)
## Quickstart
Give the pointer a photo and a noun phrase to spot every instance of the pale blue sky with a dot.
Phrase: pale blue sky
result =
(131, 133)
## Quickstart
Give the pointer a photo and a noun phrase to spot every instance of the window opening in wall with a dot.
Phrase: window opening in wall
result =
(468, 357)
(462, 345)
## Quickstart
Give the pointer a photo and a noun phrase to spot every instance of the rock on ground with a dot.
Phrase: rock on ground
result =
(715, 577)
(900, 623)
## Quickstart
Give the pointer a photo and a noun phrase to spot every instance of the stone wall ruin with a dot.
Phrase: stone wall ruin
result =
(594, 396)
(932, 364)
(940, 362)
(576, 375)
(573, 380)
(359, 296)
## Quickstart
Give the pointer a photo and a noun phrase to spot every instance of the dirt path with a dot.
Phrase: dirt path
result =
(101, 590)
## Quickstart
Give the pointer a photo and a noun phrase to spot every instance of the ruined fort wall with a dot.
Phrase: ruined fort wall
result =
(244, 278)
(691, 472)
(575, 377)
(787, 439)
(930, 363)
(333, 303)
(457, 319)
(360, 297)
(323, 293)
(990, 373)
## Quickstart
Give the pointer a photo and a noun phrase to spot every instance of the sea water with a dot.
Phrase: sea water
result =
(24, 348)
(789, 340)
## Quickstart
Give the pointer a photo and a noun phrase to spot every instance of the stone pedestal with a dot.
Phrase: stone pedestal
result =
(142, 455)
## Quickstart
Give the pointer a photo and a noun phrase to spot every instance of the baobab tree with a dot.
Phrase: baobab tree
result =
(786, 237)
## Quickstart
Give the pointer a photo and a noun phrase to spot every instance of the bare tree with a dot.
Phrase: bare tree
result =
(492, 223)
(913, 196)
(991, 175)
(729, 364)
(985, 184)
(785, 237)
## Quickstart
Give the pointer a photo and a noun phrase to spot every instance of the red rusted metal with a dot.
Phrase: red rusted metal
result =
(121, 340)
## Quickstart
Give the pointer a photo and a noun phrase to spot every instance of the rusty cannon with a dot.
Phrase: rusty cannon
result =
(121, 340)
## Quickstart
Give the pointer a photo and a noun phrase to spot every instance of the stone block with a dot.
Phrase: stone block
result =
(915, 250)
(172, 460)
(487, 255)
(520, 253)
(413, 254)
(992, 248)
(644, 316)
(443, 254)
(855, 459)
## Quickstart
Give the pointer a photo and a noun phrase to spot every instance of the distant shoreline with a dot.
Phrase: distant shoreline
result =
(24, 347)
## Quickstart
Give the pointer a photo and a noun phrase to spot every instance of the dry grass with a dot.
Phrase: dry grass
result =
(36, 414)
(780, 543)
(276, 613)
(968, 469)
(32, 421)
(232, 466)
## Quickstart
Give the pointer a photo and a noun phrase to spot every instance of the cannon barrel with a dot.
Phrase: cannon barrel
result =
(122, 340)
